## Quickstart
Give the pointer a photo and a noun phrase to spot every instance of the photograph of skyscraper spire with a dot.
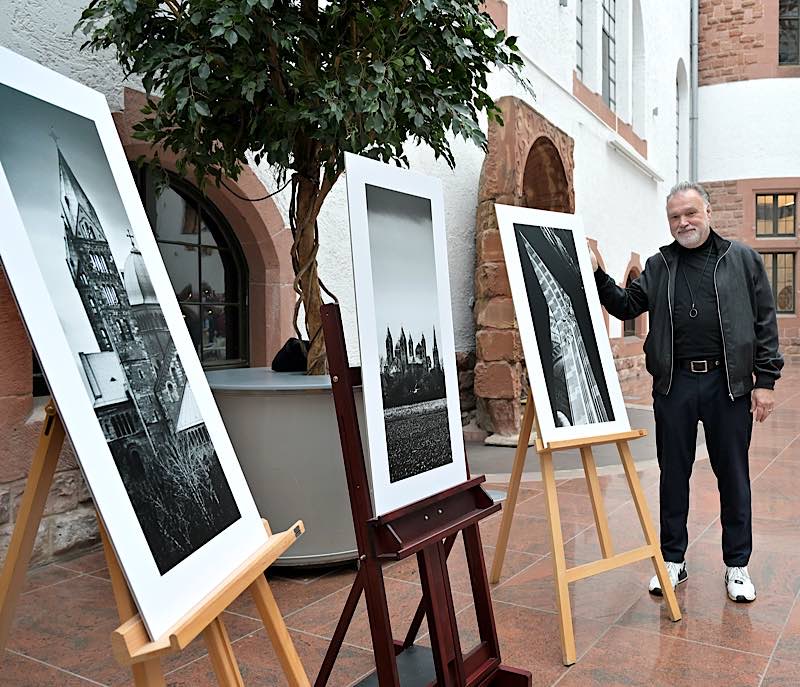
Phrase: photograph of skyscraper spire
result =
(565, 336)
(407, 319)
(113, 322)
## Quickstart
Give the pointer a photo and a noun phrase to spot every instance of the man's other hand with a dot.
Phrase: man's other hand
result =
(762, 401)
(593, 257)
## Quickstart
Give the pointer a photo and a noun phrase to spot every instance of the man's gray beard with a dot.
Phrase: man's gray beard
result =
(692, 242)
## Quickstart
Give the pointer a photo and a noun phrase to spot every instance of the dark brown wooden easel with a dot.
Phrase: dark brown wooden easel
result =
(130, 642)
(427, 528)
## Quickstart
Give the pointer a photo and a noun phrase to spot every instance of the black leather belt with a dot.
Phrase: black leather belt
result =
(700, 366)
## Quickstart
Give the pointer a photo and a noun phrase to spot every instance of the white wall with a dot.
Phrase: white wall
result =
(749, 129)
(621, 206)
(41, 30)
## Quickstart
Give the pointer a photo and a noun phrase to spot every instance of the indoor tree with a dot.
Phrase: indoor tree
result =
(297, 83)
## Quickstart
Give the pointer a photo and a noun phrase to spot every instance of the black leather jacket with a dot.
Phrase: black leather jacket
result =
(744, 302)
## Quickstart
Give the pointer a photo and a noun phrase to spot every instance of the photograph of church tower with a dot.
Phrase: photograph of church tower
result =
(565, 337)
(411, 371)
(116, 330)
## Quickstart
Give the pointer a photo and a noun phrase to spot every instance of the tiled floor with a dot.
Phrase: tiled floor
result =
(624, 636)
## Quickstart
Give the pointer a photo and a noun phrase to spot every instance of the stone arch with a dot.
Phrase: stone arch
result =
(633, 270)
(529, 163)
(261, 230)
(544, 182)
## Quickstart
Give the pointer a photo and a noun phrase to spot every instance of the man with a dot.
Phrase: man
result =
(712, 350)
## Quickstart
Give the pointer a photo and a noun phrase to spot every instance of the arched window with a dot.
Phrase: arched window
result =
(205, 264)
(629, 326)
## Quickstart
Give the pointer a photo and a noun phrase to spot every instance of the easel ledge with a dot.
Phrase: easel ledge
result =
(130, 642)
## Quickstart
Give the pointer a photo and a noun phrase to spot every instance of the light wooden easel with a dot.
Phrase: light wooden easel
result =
(130, 642)
(563, 575)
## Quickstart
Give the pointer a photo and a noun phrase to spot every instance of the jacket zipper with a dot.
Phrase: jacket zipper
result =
(721, 330)
(672, 326)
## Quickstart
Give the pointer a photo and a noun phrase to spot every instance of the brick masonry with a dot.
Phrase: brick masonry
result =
(529, 163)
(733, 216)
(739, 41)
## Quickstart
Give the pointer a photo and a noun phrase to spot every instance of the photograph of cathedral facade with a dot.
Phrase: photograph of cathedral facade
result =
(412, 375)
(566, 341)
(117, 331)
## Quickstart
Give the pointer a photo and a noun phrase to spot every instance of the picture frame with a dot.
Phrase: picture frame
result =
(408, 367)
(102, 316)
(571, 369)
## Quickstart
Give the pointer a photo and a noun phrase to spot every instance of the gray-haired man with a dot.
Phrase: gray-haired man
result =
(712, 350)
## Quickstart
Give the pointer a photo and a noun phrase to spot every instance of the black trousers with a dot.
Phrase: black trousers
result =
(728, 426)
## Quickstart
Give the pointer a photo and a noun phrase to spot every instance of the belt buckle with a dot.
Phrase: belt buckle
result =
(704, 364)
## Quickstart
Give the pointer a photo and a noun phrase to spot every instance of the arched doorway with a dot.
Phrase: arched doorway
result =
(529, 163)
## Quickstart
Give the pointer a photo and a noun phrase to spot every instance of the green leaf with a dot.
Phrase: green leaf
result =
(204, 71)
(202, 108)
(231, 36)
(130, 5)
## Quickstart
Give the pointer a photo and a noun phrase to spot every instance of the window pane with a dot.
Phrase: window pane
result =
(176, 220)
(786, 214)
(219, 280)
(191, 316)
(768, 265)
(220, 333)
(789, 8)
(182, 267)
(764, 223)
(789, 41)
(606, 84)
(784, 282)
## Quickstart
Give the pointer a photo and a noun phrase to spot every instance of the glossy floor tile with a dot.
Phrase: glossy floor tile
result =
(61, 630)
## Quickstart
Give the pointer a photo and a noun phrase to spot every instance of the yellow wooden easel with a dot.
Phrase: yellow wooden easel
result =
(130, 642)
(563, 575)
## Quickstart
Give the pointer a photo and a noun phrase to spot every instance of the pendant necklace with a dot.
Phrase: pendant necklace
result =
(693, 309)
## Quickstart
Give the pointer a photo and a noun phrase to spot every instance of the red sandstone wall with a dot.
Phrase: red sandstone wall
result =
(739, 41)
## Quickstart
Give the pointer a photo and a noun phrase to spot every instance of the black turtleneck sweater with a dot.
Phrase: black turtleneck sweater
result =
(699, 337)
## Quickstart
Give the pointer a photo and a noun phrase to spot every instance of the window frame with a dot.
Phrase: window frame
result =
(784, 16)
(579, 39)
(608, 36)
(775, 218)
(772, 274)
(146, 183)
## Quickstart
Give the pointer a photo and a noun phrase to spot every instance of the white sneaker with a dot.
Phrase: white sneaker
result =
(740, 587)
(677, 574)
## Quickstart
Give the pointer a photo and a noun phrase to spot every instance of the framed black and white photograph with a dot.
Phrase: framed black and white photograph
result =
(573, 379)
(95, 297)
(405, 328)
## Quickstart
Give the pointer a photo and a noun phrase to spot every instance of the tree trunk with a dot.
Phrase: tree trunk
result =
(306, 264)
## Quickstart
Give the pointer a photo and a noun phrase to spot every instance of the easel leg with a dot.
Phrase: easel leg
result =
(442, 625)
(341, 630)
(513, 491)
(148, 673)
(20, 549)
(380, 624)
(278, 633)
(221, 653)
(480, 588)
(419, 616)
(648, 529)
(559, 561)
(598, 506)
